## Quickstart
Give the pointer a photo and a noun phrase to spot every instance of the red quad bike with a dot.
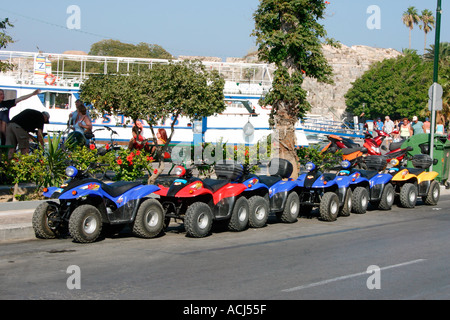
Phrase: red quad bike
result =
(200, 202)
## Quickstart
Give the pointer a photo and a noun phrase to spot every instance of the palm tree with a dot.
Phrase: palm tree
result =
(427, 25)
(410, 18)
(444, 53)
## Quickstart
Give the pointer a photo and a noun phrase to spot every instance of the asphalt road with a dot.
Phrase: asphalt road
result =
(397, 254)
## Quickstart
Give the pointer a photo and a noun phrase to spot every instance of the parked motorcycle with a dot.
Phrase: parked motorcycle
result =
(86, 205)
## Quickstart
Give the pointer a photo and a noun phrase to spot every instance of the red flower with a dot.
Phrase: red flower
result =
(149, 158)
(92, 146)
(119, 162)
(155, 171)
(107, 146)
(138, 152)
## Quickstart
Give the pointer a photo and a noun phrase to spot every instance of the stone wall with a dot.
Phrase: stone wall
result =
(349, 64)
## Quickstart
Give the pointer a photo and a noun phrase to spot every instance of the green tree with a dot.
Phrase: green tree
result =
(427, 20)
(395, 87)
(115, 48)
(288, 35)
(410, 18)
(167, 91)
(4, 40)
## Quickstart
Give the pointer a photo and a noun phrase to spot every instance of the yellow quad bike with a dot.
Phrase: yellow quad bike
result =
(410, 183)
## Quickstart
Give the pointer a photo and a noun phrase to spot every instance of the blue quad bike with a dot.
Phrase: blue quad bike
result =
(273, 193)
(87, 205)
(331, 192)
(371, 185)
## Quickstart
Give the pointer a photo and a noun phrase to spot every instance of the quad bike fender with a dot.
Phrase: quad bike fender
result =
(356, 178)
(228, 191)
(162, 191)
(282, 186)
(427, 176)
(136, 193)
(89, 189)
(192, 190)
(254, 184)
(342, 181)
(403, 175)
(380, 178)
(321, 182)
(49, 191)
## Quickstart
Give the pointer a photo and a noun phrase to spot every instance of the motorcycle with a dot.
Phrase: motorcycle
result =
(200, 202)
(87, 205)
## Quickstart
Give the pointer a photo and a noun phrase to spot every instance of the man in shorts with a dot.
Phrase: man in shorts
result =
(5, 106)
(17, 132)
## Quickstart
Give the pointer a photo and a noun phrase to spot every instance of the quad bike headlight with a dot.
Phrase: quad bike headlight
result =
(180, 171)
(346, 164)
(71, 171)
(310, 166)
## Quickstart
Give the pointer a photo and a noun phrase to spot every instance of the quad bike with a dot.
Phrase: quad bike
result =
(86, 205)
(273, 193)
(379, 190)
(329, 191)
(200, 202)
(409, 183)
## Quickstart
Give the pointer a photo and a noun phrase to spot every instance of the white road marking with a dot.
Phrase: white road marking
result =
(324, 282)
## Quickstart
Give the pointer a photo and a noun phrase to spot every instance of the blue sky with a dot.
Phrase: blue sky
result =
(200, 27)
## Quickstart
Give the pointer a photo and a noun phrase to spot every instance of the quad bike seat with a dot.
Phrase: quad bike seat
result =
(214, 185)
(269, 180)
(117, 188)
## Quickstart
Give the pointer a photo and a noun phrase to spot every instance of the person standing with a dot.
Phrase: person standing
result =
(388, 125)
(5, 106)
(417, 126)
(405, 129)
(426, 125)
(17, 131)
(379, 125)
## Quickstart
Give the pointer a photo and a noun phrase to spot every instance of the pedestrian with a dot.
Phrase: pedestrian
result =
(426, 126)
(439, 127)
(388, 125)
(137, 141)
(79, 120)
(405, 129)
(18, 129)
(379, 125)
(5, 106)
(417, 125)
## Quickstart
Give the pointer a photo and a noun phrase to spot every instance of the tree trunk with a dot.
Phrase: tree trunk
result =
(285, 139)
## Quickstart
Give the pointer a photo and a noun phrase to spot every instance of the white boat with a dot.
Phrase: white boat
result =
(54, 75)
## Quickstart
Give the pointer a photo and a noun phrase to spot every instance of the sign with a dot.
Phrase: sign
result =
(435, 94)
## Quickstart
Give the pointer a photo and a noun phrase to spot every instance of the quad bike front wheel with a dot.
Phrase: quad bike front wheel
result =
(360, 200)
(329, 206)
(198, 220)
(85, 224)
(432, 197)
(408, 195)
(291, 209)
(239, 216)
(149, 221)
(47, 222)
(259, 211)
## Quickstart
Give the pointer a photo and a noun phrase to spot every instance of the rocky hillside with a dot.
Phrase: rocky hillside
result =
(349, 64)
